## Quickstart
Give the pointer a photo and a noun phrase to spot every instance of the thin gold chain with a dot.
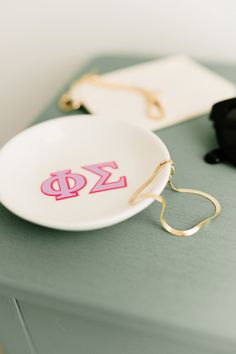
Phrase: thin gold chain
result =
(161, 199)
(155, 109)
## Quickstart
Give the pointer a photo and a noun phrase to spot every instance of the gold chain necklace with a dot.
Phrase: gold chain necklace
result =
(161, 199)
(155, 109)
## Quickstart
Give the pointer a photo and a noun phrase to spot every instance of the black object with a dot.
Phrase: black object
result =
(215, 156)
(223, 115)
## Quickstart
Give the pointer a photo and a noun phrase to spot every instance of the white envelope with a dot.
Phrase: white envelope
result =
(185, 88)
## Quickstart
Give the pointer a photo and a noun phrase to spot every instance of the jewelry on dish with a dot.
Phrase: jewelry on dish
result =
(162, 200)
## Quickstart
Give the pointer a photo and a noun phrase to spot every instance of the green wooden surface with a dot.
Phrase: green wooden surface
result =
(135, 272)
(13, 339)
(55, 332)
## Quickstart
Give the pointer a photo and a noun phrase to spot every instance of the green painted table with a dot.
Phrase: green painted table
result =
(130, 288)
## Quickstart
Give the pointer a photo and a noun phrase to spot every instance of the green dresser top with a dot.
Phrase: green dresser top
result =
(135, 269)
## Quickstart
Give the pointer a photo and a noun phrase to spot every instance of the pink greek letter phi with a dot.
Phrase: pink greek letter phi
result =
(103, 184)
(63, 184)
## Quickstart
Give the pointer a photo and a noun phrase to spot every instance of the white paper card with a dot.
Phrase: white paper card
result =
(185, 88)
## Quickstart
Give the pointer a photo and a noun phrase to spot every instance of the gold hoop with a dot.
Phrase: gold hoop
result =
(162, 200)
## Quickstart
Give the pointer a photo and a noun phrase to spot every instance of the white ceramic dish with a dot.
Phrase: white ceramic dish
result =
(78, 172)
